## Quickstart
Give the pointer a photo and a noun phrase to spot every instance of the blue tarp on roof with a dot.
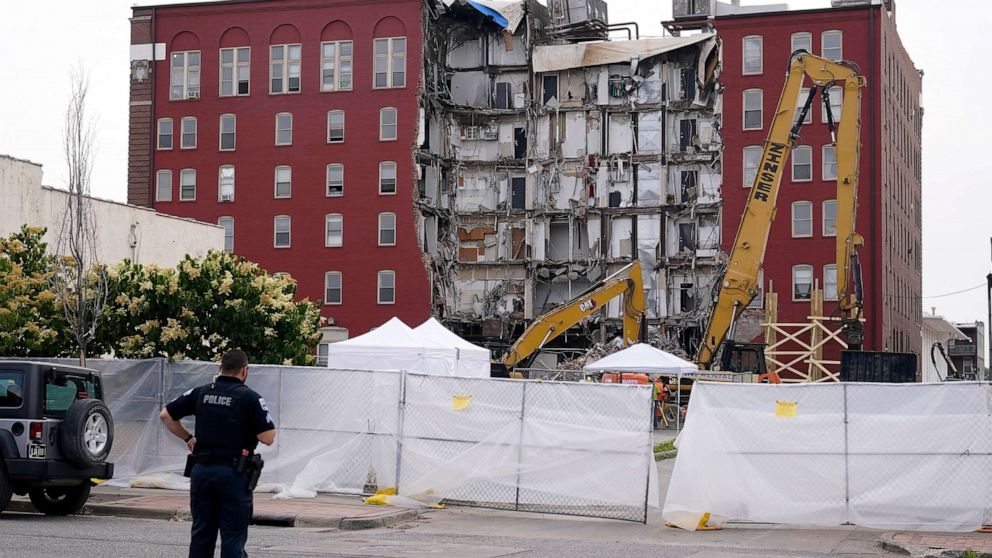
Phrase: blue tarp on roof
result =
(496, 16)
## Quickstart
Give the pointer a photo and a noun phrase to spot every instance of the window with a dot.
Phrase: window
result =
(687, 236)
(387, 229)
(387, 177)
(387, 124)
(284, 68)
(802, 282)
(802, 164)
(332, 287)
(235, 70)
(832, 47)
(322, 351)
(390, 62)
(334, 230)
(225, 188)
(12, 395)
(188, 138)
(752, 158)
(549, 88)
(803, 95)
(830, 218)
(335, 126)
(228, 131)
(687, 297)
(752, 109)
(830, 282)
(802, 41)
(687, 133)
(284, 181)
(503, 96)
(335, 179)
(184, 80)
(829, 163)
(165, 133)
(802, 219)
(163, 186)
(752, 55)
(281, 231)
(187, 185)
(284, 128)
(836, 95)
(335, 66)
(228, 224)
(387, 287)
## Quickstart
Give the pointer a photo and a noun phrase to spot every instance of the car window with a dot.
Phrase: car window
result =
(62, 389)
(11, 388)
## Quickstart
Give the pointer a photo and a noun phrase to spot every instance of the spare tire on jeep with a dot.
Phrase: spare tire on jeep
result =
(87, 433)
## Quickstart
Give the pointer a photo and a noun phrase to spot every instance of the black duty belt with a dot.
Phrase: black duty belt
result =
(216, 459)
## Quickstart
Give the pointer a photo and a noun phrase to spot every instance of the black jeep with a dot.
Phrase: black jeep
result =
(55, 434)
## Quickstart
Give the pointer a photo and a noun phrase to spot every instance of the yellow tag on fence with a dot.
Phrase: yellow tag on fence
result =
(460, 402)
(785, 408)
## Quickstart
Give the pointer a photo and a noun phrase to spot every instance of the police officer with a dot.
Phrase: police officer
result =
(230, 421)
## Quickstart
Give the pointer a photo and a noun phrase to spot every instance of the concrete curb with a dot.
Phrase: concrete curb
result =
(889, 543)
(356, 523)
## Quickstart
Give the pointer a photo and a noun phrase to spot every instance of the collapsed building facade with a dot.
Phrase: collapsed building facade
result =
(550, 158)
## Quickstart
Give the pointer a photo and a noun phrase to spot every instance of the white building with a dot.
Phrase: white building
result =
(123, 231)
(936, 333)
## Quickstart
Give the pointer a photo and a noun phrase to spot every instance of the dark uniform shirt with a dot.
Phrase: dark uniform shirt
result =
(229, 416)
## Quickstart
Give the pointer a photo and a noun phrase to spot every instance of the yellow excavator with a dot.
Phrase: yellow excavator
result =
(739, 284)
(626, 282)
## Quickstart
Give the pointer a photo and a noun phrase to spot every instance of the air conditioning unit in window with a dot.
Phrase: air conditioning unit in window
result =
(193, 94)
(227, 197)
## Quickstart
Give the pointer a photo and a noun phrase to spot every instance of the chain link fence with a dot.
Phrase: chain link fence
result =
(549, 447)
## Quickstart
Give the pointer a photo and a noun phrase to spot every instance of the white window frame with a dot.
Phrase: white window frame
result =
(289, 68)
(382, 125)
(802, 35)
(330, 115)
(383, 167)
(276, 221)
(760, 109)
(828, 270)
(191, 122)
(836, 95)
(379, 286)
(283, 127)
(761, 55)
(807, 220)
(163, 179)
(756, 150)
(184, 174)
(799, 149)
(159, 134)
(220, 183)
(829, 154)
(334, 62)
(234, 132)
(394, 62)
(839, 47)
(330, 167)
(340, 287)
(238, 69)
(829, 224)
(228, 232)
(276, 182)
(383, 228)
(328, 240)
(802, 267)
(803, 94)
(184, 77)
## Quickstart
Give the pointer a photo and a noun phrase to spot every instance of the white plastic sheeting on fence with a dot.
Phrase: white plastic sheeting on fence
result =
(889, 456)
(553, 447)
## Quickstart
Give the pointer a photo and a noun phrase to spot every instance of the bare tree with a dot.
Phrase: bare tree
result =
(79, 280)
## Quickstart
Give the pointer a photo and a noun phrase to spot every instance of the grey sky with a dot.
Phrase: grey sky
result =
(40, 42)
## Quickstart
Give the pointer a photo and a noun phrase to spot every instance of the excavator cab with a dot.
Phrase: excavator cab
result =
(743, 358)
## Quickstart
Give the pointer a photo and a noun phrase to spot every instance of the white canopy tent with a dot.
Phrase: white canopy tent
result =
(395, 346)
(471, 360)
(642, 358)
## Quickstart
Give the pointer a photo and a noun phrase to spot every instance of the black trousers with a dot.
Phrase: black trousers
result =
(219, 500)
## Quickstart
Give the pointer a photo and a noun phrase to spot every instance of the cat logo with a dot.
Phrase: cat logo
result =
(587, 305)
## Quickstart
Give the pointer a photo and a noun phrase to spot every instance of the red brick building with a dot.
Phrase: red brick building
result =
(291, 123)
(757, 42)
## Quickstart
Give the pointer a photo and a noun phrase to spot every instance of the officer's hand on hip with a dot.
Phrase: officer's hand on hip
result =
(191, 443)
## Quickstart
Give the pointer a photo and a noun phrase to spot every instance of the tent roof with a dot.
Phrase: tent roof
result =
(643, 358)
(433, 330)
(393, 333)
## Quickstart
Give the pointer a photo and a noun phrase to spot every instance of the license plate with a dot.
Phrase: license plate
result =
(37, 451)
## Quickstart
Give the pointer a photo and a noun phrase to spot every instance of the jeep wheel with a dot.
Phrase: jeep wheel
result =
(87, 433)
(6, 489)
(60, 500)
